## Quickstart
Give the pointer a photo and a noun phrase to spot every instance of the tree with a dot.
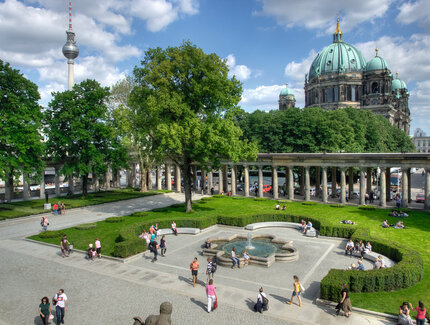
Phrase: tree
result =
(80, 132)
(21, 145)
(188, 105)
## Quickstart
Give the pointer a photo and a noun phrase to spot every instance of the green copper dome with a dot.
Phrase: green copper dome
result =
(377, 63)
(286, 91)
(338, 57)
(398, 84)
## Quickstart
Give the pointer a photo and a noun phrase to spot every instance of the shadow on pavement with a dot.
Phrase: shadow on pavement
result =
(279, 298)
(199, 303)
(250, 304)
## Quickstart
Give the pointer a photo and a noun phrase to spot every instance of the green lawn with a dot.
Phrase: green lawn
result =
(25, 208)
(416, 236)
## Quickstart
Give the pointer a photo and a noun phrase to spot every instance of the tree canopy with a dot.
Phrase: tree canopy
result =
(316, 130)
(21, 145)
(80, 132)
(188, 104)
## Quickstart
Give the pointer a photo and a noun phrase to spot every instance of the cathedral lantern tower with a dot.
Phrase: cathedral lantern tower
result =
(286, 99)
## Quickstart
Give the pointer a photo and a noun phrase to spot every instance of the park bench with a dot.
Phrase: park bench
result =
(253, 226)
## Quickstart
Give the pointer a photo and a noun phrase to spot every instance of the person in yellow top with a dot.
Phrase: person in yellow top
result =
(298, 289)
(194, 267)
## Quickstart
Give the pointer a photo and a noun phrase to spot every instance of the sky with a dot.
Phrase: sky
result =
(266, 43)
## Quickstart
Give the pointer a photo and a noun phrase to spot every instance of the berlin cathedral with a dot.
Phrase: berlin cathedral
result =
(340, 77)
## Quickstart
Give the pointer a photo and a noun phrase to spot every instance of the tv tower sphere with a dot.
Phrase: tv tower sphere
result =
(70, 49)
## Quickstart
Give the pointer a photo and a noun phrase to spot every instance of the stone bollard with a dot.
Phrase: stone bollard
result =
(163, 319)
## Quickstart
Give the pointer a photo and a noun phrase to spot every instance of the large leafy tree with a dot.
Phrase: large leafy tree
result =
(21, 145)
(188, 103)
(80, 131)
(316, 130)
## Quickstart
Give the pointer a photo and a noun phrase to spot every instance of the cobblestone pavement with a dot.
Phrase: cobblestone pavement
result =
(111, 292)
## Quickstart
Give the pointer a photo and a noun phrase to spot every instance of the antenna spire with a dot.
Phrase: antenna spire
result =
(70, 14)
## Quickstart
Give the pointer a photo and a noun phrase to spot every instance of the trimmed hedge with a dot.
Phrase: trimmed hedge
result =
(86, 226)
(368, 208)
(260, 198)
(407, 272)
(309, 203)
(238, 198)
(51, 234)
(115, 219)
(218, 196)
(284, 201)
(337, 205)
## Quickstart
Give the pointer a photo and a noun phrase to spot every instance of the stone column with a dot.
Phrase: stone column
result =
(350, 183)
(195, 178)
(302, 180)
(168, 177)
(275, 182)
(427, 190)
(382, 194)
(177, 178)
(210, 181)
(233, 180)
(158, 177)
(260, 181)
(203, 187)
(388, 183)
(57, 182)
(72, 184)
(42, 185)
(95, 178)
(317, 181)
(342, 186)
(26, 187)
(290, 183)
(362, 186)
(404, 188)
(106, 180)
(149, 178)
(307, 184)
(128, 176)
(409, 186)
(133, 175)
(220, 181)
(333, 182)
(246, 175)
(368, 179)
(324, 184)
(225, 178)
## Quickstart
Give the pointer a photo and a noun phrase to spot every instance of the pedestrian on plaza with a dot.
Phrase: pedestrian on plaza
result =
(55, 208)
(262, 302)
(90, 251)
(63, 208)
(211, 294)
(345, 301)
(153, 247)
(194, 267)
(298, 289)
(93, 254)
(98, 248)
(371, 196)
(163, 245)
(61, 305)
(212, 190)
(65, 246)
(59, 207)
(45, 310)
(209, 272)
(44, 223)
(421, 313)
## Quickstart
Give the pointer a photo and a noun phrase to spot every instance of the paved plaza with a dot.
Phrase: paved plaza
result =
(111, 292)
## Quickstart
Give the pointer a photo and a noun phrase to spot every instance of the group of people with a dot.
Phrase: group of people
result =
(95, 250)
(61, 305)
(59, 208)
(305, 226)
(405, 311)
(236, 258)
(399, 224)
(358, 247)
(278, 207)
(151, 240)
(398, 214)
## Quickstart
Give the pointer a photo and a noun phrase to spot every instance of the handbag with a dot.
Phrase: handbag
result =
(216, 303)
(51, 317)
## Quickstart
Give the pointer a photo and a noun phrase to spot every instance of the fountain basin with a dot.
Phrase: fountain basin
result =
(268, 249)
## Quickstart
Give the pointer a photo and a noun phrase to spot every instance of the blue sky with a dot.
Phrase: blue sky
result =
(266, 42)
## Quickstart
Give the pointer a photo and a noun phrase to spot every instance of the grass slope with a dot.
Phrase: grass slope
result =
(416, 236)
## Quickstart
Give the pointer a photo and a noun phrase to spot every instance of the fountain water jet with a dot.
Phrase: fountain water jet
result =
(249, 246)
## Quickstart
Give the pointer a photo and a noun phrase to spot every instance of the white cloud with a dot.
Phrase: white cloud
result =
(296, 70)
(242, 72)
(320, 14)
(266, 97)
(418, 11)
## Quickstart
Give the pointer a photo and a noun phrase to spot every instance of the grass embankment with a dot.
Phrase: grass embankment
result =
(416, 236)
(26, 208)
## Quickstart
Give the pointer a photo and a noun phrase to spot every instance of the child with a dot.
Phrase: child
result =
(298, 289)
(246, 256)
(163, 245)
(89, 250)
(98, 248)
(93, 253)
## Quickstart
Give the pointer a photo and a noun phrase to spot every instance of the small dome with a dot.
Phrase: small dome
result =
(286, 91)
(377, 63)
(398, 84)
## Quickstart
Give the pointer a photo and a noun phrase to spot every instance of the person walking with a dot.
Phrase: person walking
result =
(61, 305)
(194, 267)
(262, 302)
(298, 289)
(209, 272)
(98, 248)
(65, 246)
(163, 245)
(345, 301)
(44, 223)
(153, 247)
(45, 310)
(211, 294)
(63, 208)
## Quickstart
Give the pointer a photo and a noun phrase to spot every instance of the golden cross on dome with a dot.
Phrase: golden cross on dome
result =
(397, 75)
(376, 50)
(286, 84)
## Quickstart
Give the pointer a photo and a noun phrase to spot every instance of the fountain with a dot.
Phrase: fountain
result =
(249, 246)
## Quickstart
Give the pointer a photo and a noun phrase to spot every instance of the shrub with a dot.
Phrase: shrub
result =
(238, 198)
(284, 201)
(206, 198)
(260, 199)
(51, 234)
(219, 196)
(139, 214)
(337, 205)
(86, 226)
(309, 203)
(365, 207)
(115, 219)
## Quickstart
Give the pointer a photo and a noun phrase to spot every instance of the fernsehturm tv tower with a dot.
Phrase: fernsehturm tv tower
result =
(70, 49)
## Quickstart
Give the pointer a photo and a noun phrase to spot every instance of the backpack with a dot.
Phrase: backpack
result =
(213, 270)
(42, 221)
(265, 301)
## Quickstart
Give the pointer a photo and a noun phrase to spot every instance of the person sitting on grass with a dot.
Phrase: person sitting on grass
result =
(399, 225)
(403, 215)
(278, 207)
(394, 214)
(283, 207)
(385, 224)
(349, 247)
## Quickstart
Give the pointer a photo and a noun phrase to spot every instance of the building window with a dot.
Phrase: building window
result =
(329, 95)
(336, 93)
(353, 93)
(375, 88)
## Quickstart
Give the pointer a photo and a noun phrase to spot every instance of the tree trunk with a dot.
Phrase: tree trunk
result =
(9, 187)
(187, 185)
(85, 185)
